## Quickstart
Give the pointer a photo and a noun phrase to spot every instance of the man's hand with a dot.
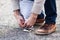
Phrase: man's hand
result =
(19, 18)
(31, 20)
(21, 21)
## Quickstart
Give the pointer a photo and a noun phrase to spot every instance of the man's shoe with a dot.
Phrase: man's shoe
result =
(39, 22)
(46, 29)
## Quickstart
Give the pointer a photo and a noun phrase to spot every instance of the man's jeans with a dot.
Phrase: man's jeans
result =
(50, 10)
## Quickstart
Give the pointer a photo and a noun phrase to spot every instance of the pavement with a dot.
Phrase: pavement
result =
(18, 34)
(9, 29)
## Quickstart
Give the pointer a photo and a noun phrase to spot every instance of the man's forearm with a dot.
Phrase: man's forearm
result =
(37, 6)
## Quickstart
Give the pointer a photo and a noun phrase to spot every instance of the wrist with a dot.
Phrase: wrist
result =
(16, 13)
(34, 15)
(17, 10)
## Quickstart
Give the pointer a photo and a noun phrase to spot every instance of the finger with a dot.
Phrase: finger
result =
(27, 25)
(21, 24)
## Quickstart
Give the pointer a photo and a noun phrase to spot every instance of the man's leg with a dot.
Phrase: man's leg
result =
(50, 11)
(50, 19)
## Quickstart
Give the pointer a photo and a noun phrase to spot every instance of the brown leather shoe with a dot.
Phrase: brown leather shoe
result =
(46, 29)
(39, 22)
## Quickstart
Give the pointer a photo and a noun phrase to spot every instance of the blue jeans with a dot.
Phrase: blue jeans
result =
(50, 10)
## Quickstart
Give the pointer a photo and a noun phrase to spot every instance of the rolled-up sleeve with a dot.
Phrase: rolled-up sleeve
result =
(15, 4)
(38, 6)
